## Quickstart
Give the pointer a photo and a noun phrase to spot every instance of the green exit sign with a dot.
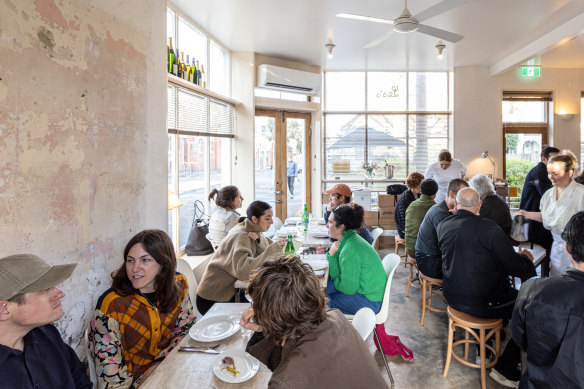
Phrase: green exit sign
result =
(530, 71)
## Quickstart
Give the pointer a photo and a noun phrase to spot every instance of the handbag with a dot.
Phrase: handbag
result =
(198, 244)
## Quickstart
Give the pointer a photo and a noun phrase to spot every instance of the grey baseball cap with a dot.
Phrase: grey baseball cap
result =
(24, 273)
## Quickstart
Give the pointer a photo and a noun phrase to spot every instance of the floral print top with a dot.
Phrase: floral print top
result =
(128, 333)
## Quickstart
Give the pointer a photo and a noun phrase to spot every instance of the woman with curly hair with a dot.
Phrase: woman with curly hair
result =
(297, 338)
(145, 313)
(405, 199)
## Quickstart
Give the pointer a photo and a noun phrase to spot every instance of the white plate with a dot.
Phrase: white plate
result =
(246, 365)
(320, 234)
(215, 328)
(292, 221)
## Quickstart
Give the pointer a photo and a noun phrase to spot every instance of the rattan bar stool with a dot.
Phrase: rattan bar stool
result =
(401, 242)
(411, 279)
(429, 284)
(470, 324)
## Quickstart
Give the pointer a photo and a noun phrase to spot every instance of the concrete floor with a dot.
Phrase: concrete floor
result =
(428, 344)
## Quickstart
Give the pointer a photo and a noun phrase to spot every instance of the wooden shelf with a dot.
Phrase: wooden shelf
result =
(203, 91)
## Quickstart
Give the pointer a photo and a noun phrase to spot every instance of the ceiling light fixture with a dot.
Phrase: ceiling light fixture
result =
(440, 46)
(329, 47)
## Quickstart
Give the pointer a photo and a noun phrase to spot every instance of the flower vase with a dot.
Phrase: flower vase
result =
(370, 174)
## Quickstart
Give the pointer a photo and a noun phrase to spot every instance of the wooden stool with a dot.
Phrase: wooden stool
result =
(411, 279)
(428, 285)
(401, 242)
(470, 324)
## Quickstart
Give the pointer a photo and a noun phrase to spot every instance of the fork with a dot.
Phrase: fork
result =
(205, 347)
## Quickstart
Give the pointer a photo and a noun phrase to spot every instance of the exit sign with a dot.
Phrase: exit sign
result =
(530, 71)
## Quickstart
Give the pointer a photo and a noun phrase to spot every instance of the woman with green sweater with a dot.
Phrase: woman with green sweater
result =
(357, 278)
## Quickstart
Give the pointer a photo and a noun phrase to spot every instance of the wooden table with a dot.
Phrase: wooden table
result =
(537, 251)
(309, 240)
(195, 370)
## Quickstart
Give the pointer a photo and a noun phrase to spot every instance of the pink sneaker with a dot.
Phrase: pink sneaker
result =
(391, 344)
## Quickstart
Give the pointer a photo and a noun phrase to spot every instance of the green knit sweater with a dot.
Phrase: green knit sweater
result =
(414, 216)
(356, 268)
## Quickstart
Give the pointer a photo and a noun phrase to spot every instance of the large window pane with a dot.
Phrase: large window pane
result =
(524, 111)
(265, 178)
(429, 135)
(219, 164)
(344, 145)
(219, 70)
(192, 159)
(172, 215)
(345, 91)
(171, 26)
(192, 42)
(386, 141)
(428, 91)
(386, 91)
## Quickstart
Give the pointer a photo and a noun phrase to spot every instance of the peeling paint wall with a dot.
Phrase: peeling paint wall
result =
(83, 145)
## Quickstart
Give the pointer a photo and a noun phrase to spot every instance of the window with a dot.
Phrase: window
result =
(219, 64)
(525, 126)
(402, 118)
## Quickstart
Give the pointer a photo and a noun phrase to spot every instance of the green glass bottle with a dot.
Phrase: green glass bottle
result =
(289, 250)
(170, 55)
(305, 217)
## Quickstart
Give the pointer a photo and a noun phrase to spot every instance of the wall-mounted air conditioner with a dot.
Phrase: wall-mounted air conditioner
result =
(289, 80)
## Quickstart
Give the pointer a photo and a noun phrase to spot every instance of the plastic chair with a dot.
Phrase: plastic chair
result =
(90, 361)
(213, 243)
(376, 233)
(390, 262)
(183, 267)
(364, 322)
(277, 223)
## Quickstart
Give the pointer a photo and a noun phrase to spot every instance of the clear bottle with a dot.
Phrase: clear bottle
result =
(305, 217)
(289, 250)
(204, 76)
(189, 71)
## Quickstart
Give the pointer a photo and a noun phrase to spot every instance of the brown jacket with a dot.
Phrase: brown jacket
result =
(333, 355)
(236, 257)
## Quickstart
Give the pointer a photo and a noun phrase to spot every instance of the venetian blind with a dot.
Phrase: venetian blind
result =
(190, 113)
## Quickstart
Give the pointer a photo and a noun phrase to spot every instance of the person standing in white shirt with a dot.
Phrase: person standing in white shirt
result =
(443, 171)
(558, 205)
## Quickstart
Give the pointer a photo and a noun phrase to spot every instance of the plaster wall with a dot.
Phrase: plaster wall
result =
(478, 114)
(82, 137)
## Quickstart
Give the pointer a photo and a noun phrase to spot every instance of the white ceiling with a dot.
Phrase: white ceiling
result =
(497, 33)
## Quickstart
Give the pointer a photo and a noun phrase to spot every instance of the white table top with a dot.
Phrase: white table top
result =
(195, 370)
(537, 251)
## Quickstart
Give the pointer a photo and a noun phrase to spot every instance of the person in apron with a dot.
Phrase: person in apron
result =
(558, 205)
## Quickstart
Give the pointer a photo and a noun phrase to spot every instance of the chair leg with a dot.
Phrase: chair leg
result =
(383, 356)
(449, 349)
(466, 345)
(409, 277)
(423, 299)
(483, 359)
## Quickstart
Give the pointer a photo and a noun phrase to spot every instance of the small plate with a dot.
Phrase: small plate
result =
(215, 328)
(320, 234)
(247, 366)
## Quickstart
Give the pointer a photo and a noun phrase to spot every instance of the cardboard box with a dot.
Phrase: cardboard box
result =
(326, 198)
(371, 218)
(386, 213)
(386, 201)
(385, 242)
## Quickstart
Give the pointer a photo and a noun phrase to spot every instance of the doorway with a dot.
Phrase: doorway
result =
(282, 161)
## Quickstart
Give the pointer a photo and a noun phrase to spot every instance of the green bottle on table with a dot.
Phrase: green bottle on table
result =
(305, 217)
(289, 250)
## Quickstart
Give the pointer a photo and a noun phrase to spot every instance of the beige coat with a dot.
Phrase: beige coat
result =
(236, 257)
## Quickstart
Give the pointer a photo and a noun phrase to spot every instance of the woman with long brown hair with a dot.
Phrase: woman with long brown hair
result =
(145, 313)
(225, 216)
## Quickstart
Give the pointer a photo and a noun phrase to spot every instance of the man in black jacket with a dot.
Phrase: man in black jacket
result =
(477, 260)
(536, 184)
(548, 320)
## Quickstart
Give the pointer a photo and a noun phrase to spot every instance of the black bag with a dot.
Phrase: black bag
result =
(396, 189)
(198, 244)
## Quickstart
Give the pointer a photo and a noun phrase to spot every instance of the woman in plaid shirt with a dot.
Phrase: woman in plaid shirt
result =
(145, 313)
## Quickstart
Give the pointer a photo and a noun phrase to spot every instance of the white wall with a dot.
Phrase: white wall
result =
(82, 137)
(478, 114)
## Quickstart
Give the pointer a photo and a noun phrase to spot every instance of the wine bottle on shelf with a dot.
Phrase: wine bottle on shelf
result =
(178, 64)
(183, 67)
(199, 78)
(189, 74)
(204, 76)
(194, 67)
(171, 60)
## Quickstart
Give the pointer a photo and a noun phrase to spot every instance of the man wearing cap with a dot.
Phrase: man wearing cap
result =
(32, 353)
(341, 194)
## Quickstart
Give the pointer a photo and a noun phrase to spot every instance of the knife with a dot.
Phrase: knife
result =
(198, 350)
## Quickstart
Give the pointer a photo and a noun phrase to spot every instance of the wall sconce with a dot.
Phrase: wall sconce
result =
(440, 47)
(173, 201)
(566, 116)
(329, 47)
(486, 155)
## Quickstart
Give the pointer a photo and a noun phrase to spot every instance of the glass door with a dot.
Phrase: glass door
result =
(282, 161)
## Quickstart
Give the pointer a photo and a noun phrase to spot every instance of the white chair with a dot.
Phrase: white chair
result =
(277, 223)
(364, 322)
(376, 233)
(183, 267)
(390, 262)
(90, 362)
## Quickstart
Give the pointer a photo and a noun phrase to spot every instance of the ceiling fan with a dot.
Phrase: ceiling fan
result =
(406, 23)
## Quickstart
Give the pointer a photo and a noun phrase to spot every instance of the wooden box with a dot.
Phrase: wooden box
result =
(371, 218)
(385, 242)
(386, 201)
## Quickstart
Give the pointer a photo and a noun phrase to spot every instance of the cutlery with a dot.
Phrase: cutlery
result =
(199, 350)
